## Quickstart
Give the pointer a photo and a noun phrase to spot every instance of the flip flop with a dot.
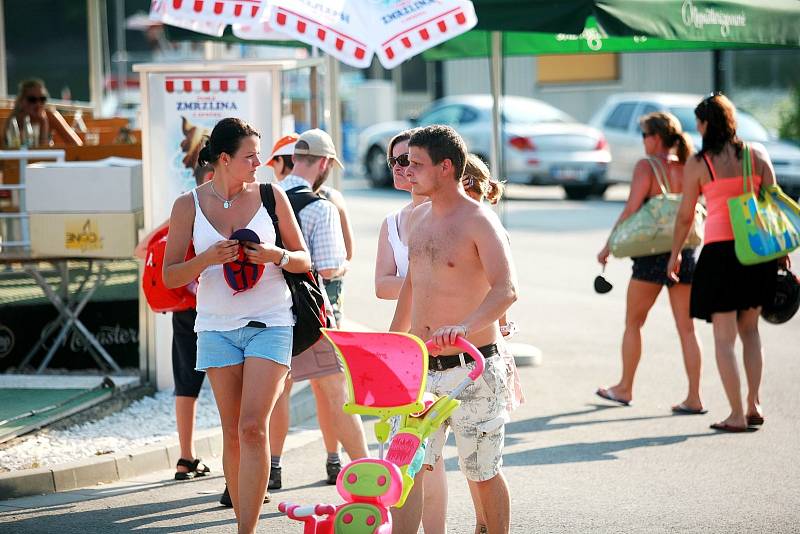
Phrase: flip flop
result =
(755, 420)
(725, 427)
(682, 409)
(607, 395)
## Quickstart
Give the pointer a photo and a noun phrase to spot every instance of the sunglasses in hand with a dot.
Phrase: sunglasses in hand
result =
(401, 160)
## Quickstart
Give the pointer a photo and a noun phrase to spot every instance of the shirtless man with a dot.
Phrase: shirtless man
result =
(460, 281)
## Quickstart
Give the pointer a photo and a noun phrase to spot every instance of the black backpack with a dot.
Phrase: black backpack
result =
(300, 197)
(308, 304)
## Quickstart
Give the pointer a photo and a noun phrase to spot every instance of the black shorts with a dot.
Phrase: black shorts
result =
(184, 355)
(722, 284)
(654, 268)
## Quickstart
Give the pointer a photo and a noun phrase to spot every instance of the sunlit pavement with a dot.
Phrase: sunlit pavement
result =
(574, 462)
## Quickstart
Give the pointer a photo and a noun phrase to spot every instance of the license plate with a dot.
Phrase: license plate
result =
(569, 173)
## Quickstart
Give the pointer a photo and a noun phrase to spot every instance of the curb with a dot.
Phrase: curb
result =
(123, 466)
(208, 443)
(526, 355)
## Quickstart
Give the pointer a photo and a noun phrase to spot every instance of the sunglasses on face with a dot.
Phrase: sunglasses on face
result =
(36, 99)
(401, 160)
(645, 135)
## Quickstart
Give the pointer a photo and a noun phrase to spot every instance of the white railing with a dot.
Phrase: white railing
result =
(23, 156)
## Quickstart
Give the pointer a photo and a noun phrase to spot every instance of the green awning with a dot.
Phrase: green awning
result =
(593, 39)
(766, 22)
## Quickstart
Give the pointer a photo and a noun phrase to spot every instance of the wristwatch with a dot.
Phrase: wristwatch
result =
(284, 259)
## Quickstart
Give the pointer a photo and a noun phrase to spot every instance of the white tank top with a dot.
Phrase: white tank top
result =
(399, 249)
(218, 308)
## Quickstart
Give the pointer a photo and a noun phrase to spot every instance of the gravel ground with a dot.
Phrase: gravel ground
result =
(145, 421)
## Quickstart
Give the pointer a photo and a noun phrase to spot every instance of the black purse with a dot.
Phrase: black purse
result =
(308, 304)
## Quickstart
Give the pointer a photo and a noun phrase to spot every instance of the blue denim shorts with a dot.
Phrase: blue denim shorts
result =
(222, 349)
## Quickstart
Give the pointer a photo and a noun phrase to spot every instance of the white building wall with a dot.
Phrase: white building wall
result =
(680, 72)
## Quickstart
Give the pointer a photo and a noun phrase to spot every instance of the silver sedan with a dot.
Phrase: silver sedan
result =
(541, 144)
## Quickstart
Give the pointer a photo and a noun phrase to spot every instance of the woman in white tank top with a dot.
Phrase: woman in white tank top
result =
(244, 339)
(391, 263)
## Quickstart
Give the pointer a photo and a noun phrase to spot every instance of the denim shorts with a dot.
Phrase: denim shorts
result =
(653, 268)
(222, 349)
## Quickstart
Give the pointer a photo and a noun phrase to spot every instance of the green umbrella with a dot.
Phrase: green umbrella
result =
(593, 39)
(773, 22)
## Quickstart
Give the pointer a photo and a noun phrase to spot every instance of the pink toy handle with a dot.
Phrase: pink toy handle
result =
(468, 348)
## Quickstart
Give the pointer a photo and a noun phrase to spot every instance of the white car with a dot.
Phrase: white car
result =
(619, 121)
(542, 144)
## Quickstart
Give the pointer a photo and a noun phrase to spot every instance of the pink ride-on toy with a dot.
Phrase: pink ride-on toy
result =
(386, 375)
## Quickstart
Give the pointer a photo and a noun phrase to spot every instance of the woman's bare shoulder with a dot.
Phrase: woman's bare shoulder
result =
(335, 196)
(643, 170)
(422, 209)
(759, 152)
(694, 162)
(184, 202)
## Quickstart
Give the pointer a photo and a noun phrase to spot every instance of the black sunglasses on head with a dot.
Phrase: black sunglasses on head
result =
(36, 99)
(711, 96)
(701, 110)
(401, 160)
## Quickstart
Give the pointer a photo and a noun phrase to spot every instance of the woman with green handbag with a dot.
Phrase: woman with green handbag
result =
(667, 148)
(726, 293)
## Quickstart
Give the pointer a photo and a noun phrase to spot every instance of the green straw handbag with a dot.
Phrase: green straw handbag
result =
(649, 231)
(766, 225)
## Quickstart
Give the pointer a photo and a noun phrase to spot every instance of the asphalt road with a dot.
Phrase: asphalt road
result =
(574, 462)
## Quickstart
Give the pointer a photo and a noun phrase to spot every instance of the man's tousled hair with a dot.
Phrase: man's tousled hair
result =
(441, 143)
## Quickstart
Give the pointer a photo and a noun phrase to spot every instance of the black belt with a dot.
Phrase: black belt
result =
(442, 363)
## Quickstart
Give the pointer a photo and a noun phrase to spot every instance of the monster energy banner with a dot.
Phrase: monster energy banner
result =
(115, 324)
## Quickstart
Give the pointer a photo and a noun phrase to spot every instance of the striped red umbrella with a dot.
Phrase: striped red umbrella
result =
(350, 30)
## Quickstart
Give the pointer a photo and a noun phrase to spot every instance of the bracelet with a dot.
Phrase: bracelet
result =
(509, 329)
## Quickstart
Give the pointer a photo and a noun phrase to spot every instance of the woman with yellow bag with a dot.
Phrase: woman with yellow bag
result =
(726, 293)
(667, 148)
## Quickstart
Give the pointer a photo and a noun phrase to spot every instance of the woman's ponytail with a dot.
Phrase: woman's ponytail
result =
(494, 190)
(683, 146)
(226, 137)
(204, 157)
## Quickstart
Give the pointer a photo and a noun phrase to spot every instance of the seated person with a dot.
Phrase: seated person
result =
(31, 99)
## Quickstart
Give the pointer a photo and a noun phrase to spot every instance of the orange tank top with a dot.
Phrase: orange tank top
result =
(717, 192)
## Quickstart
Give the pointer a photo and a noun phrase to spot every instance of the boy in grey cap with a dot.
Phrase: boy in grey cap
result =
(314, 157)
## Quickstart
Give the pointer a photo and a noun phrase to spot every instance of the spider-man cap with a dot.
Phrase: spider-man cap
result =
(241, 274)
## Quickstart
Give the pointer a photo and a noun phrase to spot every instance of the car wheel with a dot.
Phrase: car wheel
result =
(598, 190)
(377, 171)
(578, 192)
